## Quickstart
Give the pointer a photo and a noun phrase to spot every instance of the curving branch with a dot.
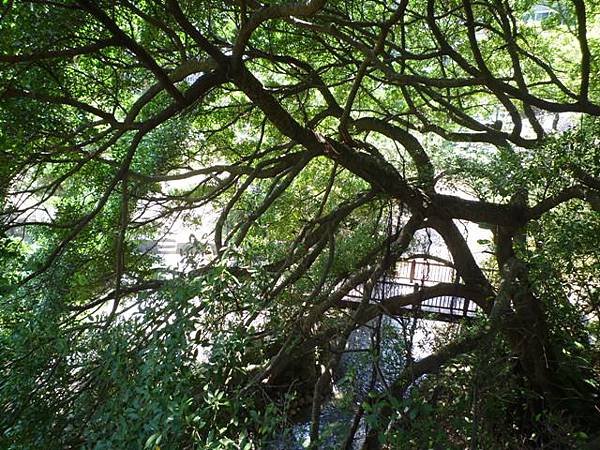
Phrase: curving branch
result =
(299, 9)
(132, 45)
(63, 53)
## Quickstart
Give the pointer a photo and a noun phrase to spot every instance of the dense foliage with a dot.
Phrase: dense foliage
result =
(309, 148)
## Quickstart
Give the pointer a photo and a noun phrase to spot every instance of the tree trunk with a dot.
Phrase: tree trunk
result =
(540, 359)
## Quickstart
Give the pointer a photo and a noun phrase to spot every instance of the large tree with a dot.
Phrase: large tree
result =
(319, 141)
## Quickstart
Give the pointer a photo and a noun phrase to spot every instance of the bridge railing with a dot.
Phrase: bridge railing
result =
(447, 305)
(424, 271)
(410, 277)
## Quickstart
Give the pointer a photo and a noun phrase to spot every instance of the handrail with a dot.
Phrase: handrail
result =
(445, 307)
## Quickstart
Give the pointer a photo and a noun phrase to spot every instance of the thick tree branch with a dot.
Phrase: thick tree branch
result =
(64, 53)
(131, 44)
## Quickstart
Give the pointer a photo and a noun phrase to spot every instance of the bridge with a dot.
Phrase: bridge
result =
(411, 276)
(408, 277)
